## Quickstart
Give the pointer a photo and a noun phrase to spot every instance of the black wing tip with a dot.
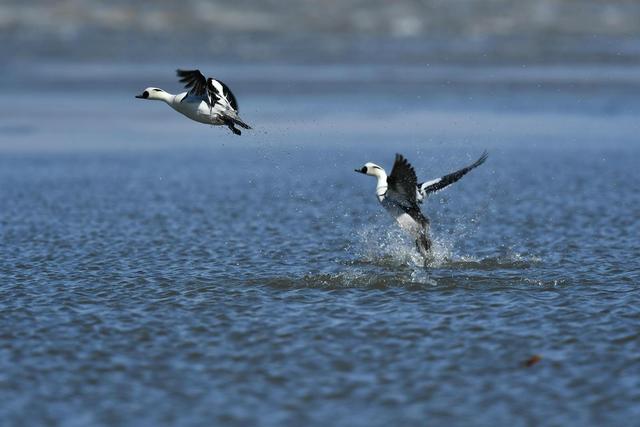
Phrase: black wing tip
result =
(187, 76)
(402, 159)
(482, 159)
(182, 72)
(193, 80)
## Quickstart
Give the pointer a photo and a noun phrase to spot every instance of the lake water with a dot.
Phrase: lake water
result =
(155, 271)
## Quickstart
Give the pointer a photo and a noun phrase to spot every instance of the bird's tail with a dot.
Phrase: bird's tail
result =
(231, 119)
(232, 116)
(241, 123)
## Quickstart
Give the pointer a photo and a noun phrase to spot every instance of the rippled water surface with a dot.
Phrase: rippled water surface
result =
(155, 271)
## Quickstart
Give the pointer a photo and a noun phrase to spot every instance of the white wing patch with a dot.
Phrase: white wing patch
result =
(421, 192)
(224, 95)
(428, 183)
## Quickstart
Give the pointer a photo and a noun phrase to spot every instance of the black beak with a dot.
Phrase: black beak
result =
(363, 170)
(143, 95)
(139, 96)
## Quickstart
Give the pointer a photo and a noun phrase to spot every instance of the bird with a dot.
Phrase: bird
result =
(207, 101)
(401, 195)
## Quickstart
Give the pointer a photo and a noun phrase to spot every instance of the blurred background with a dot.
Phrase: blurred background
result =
(376, 31)
(156, 271)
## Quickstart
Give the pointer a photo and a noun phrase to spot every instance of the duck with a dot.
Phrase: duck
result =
(401, 195)
(207, 100)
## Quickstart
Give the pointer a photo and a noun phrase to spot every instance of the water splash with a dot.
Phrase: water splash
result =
(391, 247)
(388, 246)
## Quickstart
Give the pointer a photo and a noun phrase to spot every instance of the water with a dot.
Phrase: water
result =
(154, 271)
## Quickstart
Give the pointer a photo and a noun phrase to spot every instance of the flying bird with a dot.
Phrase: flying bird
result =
(401, 195)
(208, 101)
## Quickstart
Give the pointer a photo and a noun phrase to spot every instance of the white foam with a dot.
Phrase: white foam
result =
(392, 247)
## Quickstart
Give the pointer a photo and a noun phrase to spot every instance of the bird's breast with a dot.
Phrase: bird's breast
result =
(199, 111)
(404, 220)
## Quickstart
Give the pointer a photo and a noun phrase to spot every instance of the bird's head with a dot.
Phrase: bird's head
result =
(371, 169)
(152, 93)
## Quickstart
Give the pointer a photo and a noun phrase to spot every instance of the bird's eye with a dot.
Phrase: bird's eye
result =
(145, 94)
(364, 169)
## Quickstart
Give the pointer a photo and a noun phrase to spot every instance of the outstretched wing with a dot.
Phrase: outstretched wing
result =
(402, 183)
(194, 80)
(220, 92)
(440, 183)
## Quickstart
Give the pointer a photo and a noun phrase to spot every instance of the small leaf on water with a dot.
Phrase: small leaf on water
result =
(532, 360)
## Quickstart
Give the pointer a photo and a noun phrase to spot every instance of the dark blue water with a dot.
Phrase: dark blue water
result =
(155, 271)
